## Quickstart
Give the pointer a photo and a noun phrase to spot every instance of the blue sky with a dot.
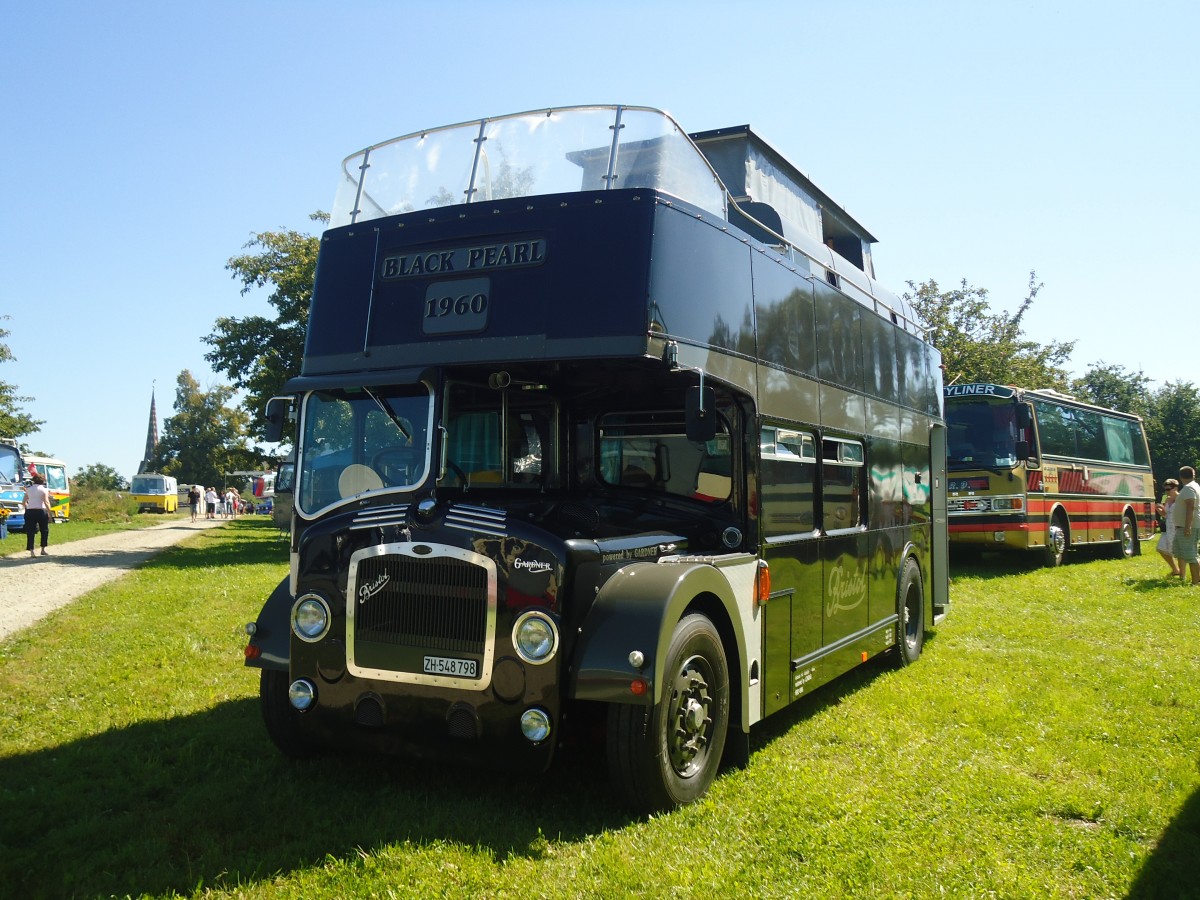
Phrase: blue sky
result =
(144, 143)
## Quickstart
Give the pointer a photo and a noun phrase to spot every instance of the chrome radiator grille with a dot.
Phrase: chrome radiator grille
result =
(434, 603)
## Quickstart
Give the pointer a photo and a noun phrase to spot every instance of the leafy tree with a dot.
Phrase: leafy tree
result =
(1114, 387)
(14, 422)
(1173, 428)
(100, 477)
(979, 345)
(258, 354)
(205, 438)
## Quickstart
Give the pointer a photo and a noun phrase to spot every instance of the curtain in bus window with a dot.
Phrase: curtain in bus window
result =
(1124, 440)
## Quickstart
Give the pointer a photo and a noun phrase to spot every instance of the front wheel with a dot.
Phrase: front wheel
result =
(1056, 541)
(668, 755)
(279, 716)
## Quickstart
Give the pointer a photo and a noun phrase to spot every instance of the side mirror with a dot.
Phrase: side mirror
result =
(1024, 416)
(700, 414)
(1022, 450)
(277, 414)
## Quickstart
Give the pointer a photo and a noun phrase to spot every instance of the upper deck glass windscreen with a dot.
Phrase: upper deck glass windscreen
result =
(544, 152)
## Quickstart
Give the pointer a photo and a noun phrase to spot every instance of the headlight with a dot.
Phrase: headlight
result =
(310, 618)
(535, 637)
(302, 694)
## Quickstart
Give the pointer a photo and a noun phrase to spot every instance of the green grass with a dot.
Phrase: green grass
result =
(1045, 745)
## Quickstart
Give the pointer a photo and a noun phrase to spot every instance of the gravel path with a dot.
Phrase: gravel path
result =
(31, 588)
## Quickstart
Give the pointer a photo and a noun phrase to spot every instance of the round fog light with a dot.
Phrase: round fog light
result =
(535, 725)
(302, 694)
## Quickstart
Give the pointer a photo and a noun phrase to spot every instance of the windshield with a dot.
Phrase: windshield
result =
(148, 484)
(10, 464)
(982, 434)
(549, 151)
(356, 441)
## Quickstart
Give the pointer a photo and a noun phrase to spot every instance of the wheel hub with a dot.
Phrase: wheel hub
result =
(689, 736)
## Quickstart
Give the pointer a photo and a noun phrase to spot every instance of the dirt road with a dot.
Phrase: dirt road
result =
(31, 588)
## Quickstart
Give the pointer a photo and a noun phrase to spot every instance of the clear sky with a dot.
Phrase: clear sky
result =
(142, 144)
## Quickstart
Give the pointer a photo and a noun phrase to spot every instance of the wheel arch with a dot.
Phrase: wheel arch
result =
(637, 609)
(272, 631)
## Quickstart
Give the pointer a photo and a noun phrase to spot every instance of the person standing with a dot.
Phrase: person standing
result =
(1167, 538)
(1185, 513)
(194, 501)
(210, 503)
(37, 513)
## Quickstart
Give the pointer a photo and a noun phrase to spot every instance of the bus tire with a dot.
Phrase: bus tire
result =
(1056, 541)
(910, 614)
(1127, 545)
(279, 716)
(667, 755)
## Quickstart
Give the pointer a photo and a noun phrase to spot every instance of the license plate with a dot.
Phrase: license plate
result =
(446, 665)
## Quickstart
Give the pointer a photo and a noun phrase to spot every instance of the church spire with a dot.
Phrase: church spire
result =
(151, 436)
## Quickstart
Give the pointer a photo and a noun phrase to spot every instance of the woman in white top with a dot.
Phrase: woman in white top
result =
(37, 513)
(1168, 535)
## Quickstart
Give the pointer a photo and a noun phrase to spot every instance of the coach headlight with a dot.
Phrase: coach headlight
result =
(535, 636)
(310, 618)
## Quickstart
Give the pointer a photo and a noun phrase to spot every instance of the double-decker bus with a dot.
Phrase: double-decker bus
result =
(1040, 471)
(55, 473)
(601, 428)
(155, 493)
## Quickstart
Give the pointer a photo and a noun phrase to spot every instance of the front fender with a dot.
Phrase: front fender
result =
(637, 609)
(273, 631)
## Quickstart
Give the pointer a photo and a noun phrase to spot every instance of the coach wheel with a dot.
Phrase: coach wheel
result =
(910, 609)
(1127, 545)
(668, 755)
(1056, 541)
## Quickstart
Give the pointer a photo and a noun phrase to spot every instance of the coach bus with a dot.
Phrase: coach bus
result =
(55, 473)
(155, 493)
(12, 488)
(1037, 470)
(602, 429)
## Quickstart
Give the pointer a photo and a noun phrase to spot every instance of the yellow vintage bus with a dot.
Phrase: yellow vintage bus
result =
(55, 473)
(155, 493)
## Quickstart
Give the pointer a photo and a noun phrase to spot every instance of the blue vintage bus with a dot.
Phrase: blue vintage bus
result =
(602, 428)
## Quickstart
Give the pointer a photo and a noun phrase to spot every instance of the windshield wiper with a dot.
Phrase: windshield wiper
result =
(387, 411)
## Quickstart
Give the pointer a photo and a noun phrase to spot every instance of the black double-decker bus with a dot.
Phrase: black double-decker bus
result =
(598, 422)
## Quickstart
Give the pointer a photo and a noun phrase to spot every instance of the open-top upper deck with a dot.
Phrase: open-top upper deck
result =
(730, 174)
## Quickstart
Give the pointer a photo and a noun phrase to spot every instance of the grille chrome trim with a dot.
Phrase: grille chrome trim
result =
(443, 605)
(380, 517)
(478, 518)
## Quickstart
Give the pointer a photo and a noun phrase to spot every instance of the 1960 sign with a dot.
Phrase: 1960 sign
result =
(455, 307)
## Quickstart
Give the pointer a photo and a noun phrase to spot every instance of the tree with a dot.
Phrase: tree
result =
(100, 477)
(1114, 387)
(14, 422)
(205, 438)
(1173, 428)
(979, 345)
(258, 354)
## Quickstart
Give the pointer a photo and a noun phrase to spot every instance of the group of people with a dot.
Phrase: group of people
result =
(227, 505)
(1180, 509)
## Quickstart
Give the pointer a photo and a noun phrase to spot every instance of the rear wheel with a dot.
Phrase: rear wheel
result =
(910, 610)
(1056, 541)
(1128, 544)
(668, 755)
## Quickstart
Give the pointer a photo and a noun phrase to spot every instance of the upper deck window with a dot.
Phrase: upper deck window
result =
(554, 151)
